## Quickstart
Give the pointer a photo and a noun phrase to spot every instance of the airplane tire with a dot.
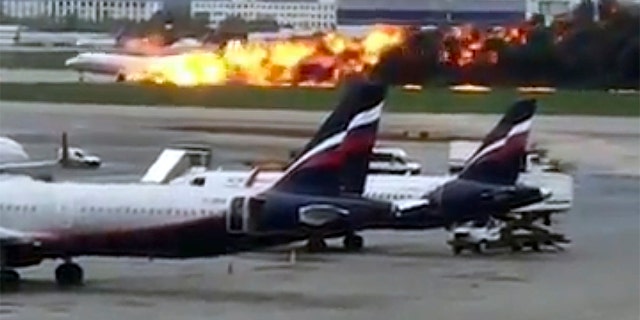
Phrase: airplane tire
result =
(480, 247)
(69, 274)
(316, 244)
(535, 246)
(353, 242)
(9, 280)
(120, 77)
(457, 250)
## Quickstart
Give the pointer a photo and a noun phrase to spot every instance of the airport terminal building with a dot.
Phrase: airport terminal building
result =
(89, 10)
(327, 14)
(433, 12)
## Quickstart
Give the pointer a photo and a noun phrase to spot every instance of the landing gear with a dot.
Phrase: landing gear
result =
(69, 274)
(480, 247)
(353, 242)
(9, 279)
(316, 244)
(120, 77)
(81, 77)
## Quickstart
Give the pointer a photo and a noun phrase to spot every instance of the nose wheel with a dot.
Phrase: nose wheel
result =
(69, 274)
(316, 244)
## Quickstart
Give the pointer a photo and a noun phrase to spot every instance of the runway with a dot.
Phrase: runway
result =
(49, 76)
(400, 275)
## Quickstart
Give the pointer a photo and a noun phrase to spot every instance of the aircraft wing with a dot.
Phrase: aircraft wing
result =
(36, 169)
(28, 165)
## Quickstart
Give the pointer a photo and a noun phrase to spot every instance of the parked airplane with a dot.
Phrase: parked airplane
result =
(486, 186)
(41, 220)
(15, 160)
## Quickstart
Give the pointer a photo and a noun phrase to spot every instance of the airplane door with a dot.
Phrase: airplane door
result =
(63, 216)
(237, 216)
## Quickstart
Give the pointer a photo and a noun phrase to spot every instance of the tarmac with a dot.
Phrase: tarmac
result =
(50, 76)
(400, 275)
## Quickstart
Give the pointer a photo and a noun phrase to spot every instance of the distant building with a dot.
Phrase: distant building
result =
(89, 10)
(300, 14)
(431, 12)
(550, 8)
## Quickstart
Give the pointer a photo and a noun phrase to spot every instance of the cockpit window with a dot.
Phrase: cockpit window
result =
(78, 154)
(398, 160)
(199, 181)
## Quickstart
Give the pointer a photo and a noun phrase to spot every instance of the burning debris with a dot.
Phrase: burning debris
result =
(315, 61)
(569, 52)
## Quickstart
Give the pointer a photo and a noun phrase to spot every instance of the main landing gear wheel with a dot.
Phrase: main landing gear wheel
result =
(69, 274)
(480, 247)
(353, 242)
(316, 244)
(9, 279)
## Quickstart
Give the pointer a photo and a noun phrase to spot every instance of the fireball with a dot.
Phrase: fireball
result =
(276, 63)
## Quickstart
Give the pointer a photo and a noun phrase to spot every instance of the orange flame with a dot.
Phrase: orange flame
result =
(274, 63)
(471, 44)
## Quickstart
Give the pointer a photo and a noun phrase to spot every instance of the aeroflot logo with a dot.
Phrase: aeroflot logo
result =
(362, 119)
(520, 128)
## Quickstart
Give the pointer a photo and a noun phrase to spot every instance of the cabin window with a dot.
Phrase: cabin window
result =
(199, 181)
(134, 211)
(143, 210)
(169, 211)
(203, 212)
(33, 208)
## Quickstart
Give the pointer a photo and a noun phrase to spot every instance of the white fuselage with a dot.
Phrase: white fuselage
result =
(389, 187)
(109, 63)
(378, 186)
(62, 209)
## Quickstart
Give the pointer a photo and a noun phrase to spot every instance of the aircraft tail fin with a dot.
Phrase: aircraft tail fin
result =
(501, 156)
(318, 169)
